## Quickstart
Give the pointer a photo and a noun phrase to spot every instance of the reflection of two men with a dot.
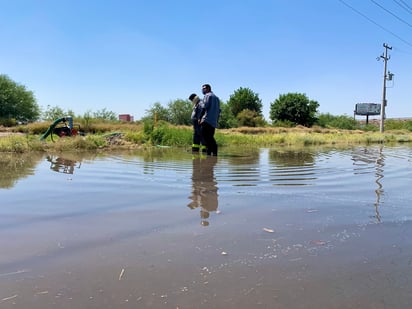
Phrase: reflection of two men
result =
(204, 190)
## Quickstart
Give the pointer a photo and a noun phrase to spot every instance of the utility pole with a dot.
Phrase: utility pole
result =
(385, 58)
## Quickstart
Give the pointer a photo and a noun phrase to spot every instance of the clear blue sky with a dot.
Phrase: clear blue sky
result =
(125, 55)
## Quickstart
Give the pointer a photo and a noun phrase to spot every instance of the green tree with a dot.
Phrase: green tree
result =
(248, 118)
(53, 112)
(180, 112)
(157, 112)
(294, 107)
(226, 118)
(245, 98)
(104, 114)
(87, 119)
(16, 102)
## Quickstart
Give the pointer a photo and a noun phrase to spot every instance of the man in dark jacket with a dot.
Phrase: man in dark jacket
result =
(210, 118)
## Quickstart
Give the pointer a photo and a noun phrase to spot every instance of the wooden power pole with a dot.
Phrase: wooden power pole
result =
(385, 58)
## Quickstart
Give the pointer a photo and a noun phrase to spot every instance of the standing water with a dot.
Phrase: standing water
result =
(260, 228)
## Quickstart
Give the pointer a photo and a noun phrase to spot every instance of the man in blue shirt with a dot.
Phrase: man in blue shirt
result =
(209, 121)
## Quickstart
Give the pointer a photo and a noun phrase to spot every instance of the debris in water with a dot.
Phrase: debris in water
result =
(268, 230)
(249, 291)
(8, 298)
(14, 273)
(224, 253)
(121, 274)
(318, 242)
(295, 260)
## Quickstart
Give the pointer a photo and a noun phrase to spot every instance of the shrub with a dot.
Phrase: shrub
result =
(392, 124)
(370, 128)
(136, 137)
(283, 123)
(8, 122)
(250, 118)
(339, 122)
(408, 125)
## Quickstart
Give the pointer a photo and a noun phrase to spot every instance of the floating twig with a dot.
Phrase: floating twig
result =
(14, 273)
(121, 274)
(8, 298)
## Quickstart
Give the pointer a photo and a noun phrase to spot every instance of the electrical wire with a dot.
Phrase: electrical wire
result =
(389, 12)
(404, 5)
(375, 23)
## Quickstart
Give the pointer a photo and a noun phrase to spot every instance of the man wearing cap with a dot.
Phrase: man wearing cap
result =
(197, 113)
(210, 118)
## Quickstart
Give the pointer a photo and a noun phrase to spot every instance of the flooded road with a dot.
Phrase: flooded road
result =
(253, 228)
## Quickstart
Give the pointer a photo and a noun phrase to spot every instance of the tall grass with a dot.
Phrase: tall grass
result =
(305, 136)
(163, 134)
(392, 124)
(167, 135)
(20, 144)
(16, 144)
(91, 127)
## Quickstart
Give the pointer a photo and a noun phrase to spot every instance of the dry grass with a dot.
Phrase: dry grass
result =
(129, 136)
(307, 136)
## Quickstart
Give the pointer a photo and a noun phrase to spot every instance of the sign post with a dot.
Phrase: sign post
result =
(367, 109)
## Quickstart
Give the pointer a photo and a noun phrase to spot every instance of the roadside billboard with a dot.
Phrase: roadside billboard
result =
(367, 109)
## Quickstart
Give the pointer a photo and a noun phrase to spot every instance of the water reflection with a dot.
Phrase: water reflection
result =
(367, 160)
(204, 187)
(380, 163)
(292, 167)
(62, 165)
(324, 175)
(16, 166)
(291, 157)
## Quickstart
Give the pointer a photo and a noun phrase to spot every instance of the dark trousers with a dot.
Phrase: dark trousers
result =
(198, 140)
(208, 133)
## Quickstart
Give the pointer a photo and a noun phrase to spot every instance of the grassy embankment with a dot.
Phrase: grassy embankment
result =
(116, 136)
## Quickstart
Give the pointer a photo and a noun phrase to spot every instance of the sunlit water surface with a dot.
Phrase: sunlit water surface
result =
(269, 228)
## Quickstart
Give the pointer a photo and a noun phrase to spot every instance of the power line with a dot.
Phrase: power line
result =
(389, 12)
(404, 5)
(375, 23)
(401, 51)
